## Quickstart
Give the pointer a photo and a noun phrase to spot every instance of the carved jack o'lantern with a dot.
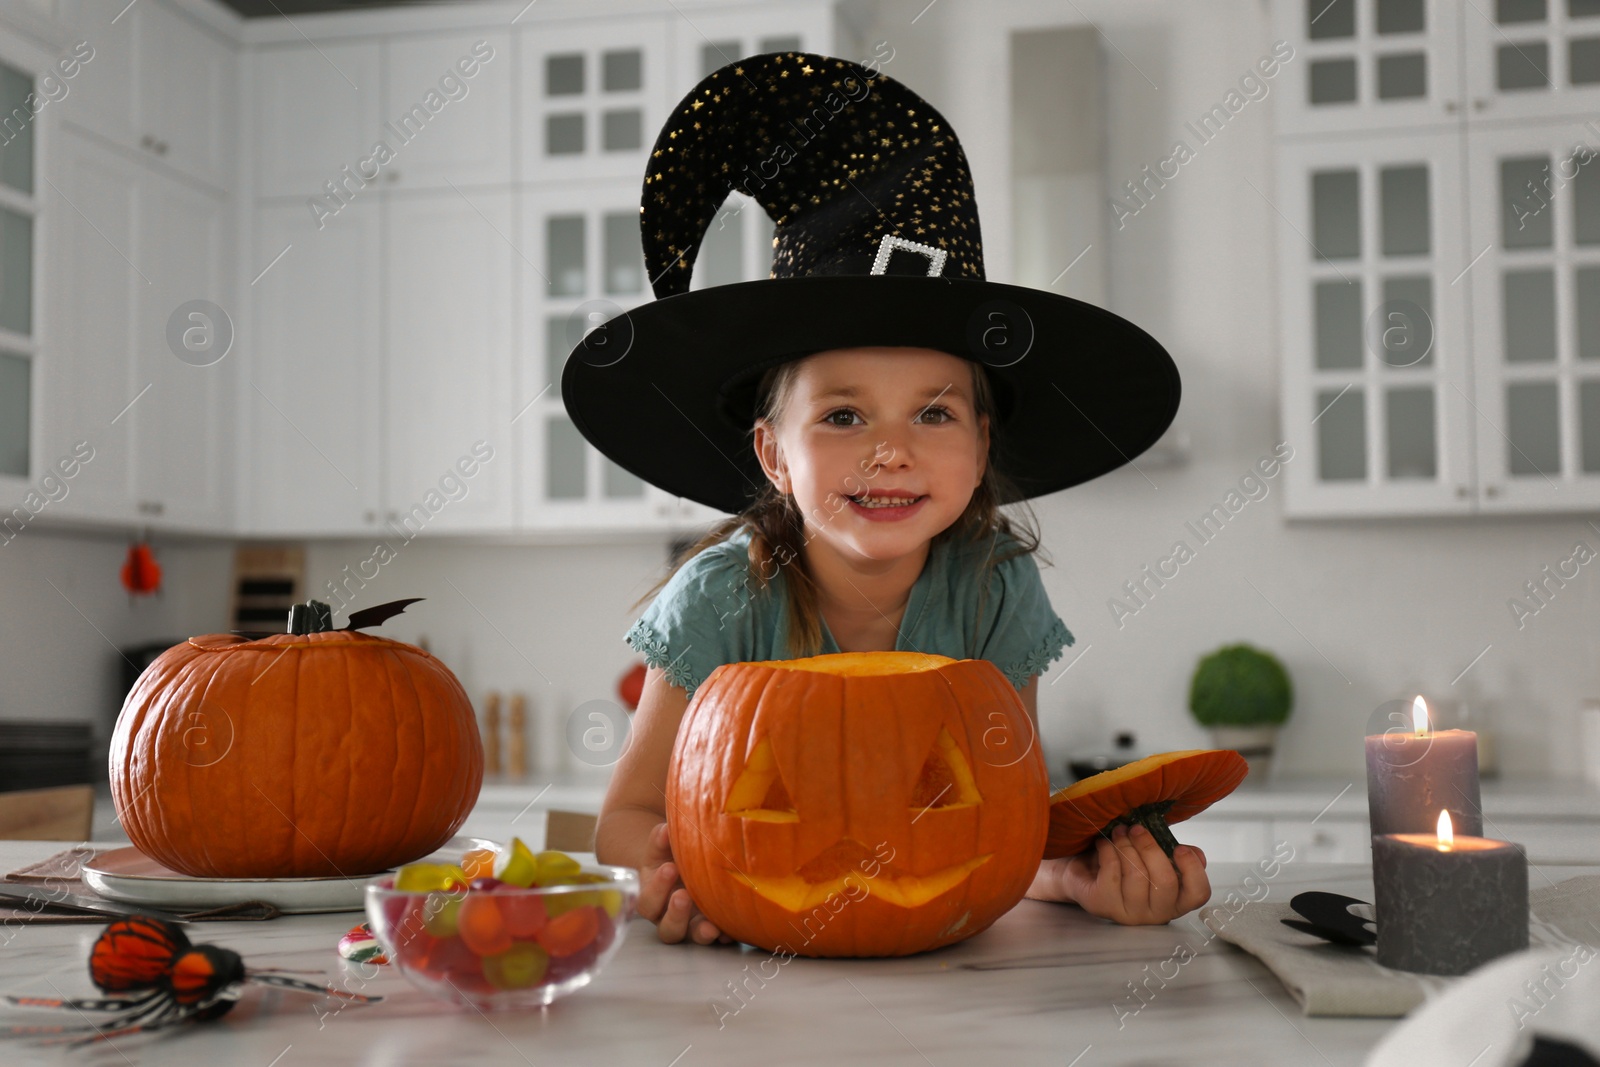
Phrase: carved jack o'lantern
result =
(856, 804)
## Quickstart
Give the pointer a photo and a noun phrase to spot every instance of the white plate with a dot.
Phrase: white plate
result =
(128, 875)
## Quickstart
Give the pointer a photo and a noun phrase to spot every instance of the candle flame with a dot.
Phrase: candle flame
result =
(1419, 715)
(1447, 834)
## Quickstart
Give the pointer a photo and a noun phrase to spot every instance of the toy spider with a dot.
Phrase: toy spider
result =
(155, 979)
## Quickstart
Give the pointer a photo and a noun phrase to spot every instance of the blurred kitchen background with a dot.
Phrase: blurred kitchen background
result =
(1368, 231)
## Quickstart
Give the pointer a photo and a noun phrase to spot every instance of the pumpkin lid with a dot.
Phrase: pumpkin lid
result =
(1165, 788)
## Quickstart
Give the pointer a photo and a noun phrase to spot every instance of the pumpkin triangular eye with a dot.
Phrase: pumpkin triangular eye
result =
(946, 780)
(760, 792)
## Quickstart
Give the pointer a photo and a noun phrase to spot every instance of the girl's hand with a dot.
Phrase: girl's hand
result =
(1127, 879)
(664, 901)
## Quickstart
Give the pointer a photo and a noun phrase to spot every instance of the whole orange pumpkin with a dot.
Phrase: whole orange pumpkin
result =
(296, 755)
(856, 804)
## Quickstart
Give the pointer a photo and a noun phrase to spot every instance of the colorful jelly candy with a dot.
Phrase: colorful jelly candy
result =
(478, 862)
(567, 933)
(518, 967)
(424, 877)
(481, 926)
(516, 864)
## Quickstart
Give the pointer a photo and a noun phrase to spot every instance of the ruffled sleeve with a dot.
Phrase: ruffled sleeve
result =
(1024, 633)
(700, 619)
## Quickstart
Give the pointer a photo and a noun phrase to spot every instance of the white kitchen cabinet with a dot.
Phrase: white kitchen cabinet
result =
(1535, 225)
(1533, 59)
(144, 244)
(1225, 839)
(593, 96)
(1439, 279)
(1325, 840)
(448, 126)
(584, 266)
(448, 303)
(1367, 65)
(87, 379)
(336, 81)
(313, 388)
(1377, 370)
(721, 37)
(158, 84)
(183, 430)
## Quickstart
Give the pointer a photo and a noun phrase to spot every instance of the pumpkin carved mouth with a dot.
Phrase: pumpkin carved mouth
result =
(850, 865)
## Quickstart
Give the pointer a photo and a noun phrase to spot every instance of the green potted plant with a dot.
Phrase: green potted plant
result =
(1243, 694)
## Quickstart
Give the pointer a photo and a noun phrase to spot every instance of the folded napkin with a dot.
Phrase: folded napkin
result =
(1332, 979)
(64, 870)
(1494, 1016)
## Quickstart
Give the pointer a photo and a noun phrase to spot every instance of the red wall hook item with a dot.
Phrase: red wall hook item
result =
(141, 574)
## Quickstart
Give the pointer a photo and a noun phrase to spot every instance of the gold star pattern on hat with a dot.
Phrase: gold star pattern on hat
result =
(838, 156)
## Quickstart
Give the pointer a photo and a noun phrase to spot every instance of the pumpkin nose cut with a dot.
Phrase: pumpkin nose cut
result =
(843, 856)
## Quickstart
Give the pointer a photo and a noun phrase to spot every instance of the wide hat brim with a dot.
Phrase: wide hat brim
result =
(667, 390)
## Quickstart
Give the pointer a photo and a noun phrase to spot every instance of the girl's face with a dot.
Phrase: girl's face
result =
(888, 420)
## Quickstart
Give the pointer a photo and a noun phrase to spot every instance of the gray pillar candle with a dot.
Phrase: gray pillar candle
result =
(1447, 909)
(1413, 775)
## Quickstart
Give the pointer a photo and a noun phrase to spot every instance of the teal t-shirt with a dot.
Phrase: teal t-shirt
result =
(713, 611)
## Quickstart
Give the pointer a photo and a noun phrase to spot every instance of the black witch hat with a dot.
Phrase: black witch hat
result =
(876, 243)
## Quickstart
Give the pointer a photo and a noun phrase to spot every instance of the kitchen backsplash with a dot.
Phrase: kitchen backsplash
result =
(1360, 613)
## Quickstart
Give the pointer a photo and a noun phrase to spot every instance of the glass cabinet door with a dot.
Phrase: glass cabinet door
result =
(1376, 377)
(1366, 65)
(1532, 58)
(592, 98)
(584, 265)
(722, 36)
(1536, 297)
(17, 210)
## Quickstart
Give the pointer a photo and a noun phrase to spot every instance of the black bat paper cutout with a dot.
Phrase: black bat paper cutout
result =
(1331, 919)
(376, 615)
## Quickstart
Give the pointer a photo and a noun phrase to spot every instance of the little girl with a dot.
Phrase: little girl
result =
(875, 401)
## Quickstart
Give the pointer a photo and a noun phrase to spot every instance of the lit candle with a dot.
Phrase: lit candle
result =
(1414, 774)
(1445, 904)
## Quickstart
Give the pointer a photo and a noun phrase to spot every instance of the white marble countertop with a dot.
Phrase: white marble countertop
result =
(1042, 986)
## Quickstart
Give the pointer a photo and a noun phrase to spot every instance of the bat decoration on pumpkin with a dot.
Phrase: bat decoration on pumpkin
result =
(314, 617)
(154, 978)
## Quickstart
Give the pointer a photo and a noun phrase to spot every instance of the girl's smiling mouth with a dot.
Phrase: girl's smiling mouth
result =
(887, 506)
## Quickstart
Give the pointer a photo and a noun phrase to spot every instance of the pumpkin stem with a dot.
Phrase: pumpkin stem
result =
(312, 617)
(1152, 817)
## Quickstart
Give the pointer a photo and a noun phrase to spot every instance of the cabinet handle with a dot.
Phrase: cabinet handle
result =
(393, 176)
(1451, 107)
(161, 148)
(147, 142)
(1480, 104)
(1463, 492)
(372, 516)
(151, 507)
(1322, 837)
(393, 515)
(1491, 491)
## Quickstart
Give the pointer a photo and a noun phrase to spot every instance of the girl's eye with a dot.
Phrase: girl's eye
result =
(945, 415)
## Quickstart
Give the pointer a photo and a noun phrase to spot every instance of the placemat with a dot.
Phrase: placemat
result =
(1329, 979)
(65, 870)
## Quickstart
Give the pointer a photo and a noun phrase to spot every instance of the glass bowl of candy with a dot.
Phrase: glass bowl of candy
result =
(505, 928)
